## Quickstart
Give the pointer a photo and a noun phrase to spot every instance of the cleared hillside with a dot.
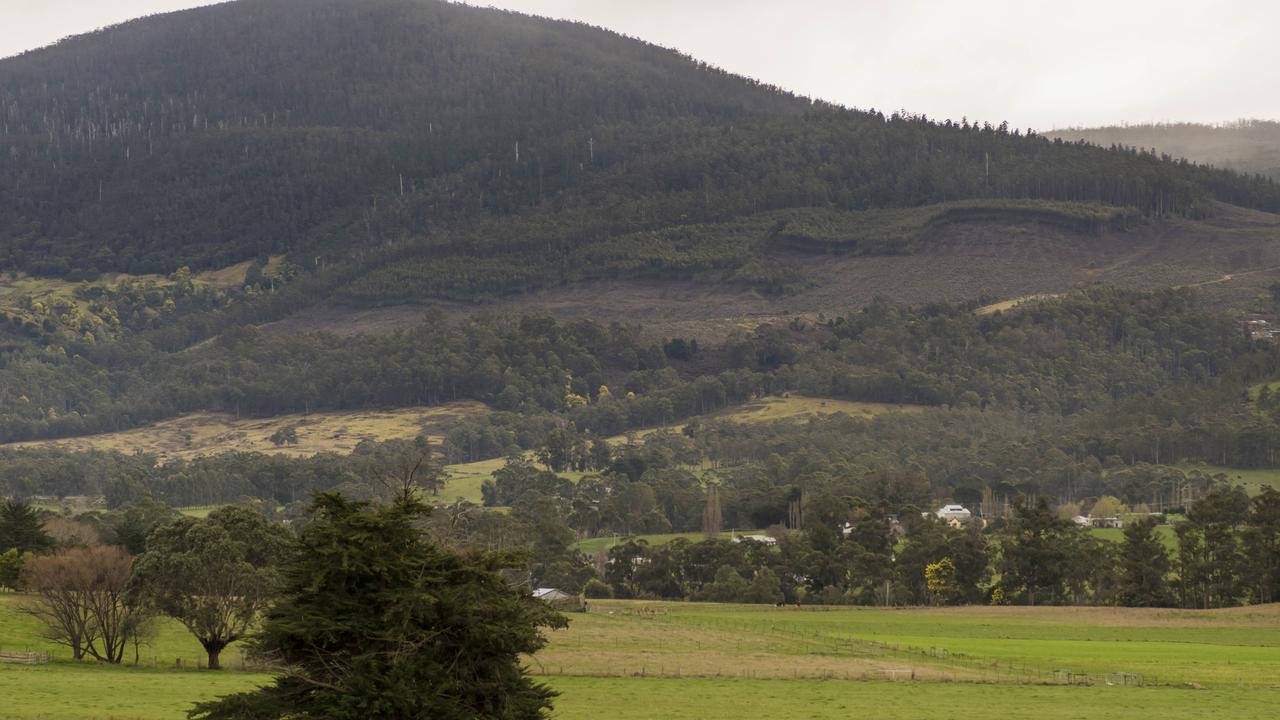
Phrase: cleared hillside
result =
(1004, 254)
(204, 434)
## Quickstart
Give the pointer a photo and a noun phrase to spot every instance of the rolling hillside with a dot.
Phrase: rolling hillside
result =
(427, 173)
(446, 151)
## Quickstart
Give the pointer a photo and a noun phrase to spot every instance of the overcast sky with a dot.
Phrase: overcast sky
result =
(1034, 63)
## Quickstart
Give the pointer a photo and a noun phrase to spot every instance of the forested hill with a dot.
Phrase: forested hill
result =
(363, 132)
(1248, 146)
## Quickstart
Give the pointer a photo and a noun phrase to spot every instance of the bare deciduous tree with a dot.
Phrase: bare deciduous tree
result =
(80, 598)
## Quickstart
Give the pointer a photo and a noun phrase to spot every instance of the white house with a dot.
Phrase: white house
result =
(958, 513)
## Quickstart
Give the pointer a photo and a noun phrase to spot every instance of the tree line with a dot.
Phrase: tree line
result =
(355, 609)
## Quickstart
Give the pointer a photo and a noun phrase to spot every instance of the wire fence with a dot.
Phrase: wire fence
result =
(230, 660)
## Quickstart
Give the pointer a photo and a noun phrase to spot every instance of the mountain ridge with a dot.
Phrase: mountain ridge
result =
(338, 131)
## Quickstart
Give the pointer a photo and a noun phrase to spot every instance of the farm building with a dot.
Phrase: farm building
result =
(765, 539)
(954, 512)
(1101, 522)
(559, 599)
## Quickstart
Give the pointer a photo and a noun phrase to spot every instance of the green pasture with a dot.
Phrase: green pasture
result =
(1253, 480)
(84, 691)
(596, 544)
(685, 699)
(463, 481)
(1213, 648)
(754, 661)
(1164, 532)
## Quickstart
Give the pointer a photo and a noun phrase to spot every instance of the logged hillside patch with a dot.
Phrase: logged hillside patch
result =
(899, 231)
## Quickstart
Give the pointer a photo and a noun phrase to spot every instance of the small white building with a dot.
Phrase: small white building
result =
(560, 600)
(959, 513)
(552, 595)
(1082, 521)
(764, 539)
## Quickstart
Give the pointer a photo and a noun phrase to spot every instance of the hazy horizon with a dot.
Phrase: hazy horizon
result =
(1099, 64)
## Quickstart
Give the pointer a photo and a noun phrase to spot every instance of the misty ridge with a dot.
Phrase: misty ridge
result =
(1248, 146)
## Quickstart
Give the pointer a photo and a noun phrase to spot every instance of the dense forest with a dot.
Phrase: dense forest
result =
(1097, 350)
(451, 151)
(1038, 399)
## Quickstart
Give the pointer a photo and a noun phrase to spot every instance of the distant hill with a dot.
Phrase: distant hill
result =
(1248, 146)
(503, 153)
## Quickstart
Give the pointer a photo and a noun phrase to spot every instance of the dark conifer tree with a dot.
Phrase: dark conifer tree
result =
(1144, 567)
(376, 621)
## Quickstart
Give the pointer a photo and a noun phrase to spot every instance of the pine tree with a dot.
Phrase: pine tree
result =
(1144, 567)
(1034, 554)
(21, 529)
(375, 621)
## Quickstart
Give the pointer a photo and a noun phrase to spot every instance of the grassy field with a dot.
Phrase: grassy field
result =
(673, 699)
(604, 543)
(769, 409)
(463, 481)
(209, 433)
(1253, 480)
(68, 691)
(799, 407)
(1164, 532)
(641, 660)
(1227, 648)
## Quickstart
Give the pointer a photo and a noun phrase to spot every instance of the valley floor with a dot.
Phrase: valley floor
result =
(675, 661)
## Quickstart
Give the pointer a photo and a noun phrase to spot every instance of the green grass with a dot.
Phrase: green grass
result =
(71, 691)
(604, 543)
(1253, 480)
(1234, 647)
(738, 661)
(1164, 532)
(462, 482)
(1255, 390)
(684, 699)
